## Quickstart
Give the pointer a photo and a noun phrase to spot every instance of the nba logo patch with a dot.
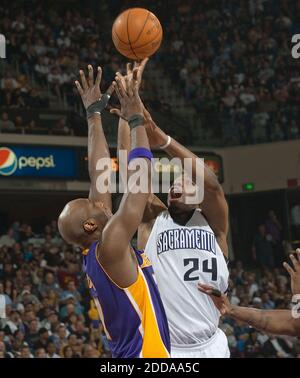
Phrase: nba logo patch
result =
(146, 261)
(8, 161)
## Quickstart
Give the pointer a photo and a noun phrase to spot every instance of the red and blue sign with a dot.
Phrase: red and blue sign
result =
(8, 162)
(32, 161)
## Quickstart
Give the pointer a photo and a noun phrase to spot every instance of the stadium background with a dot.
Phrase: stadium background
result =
(223, 83)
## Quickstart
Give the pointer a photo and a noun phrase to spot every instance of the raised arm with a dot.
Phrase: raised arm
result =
(123, 142)
(154, 205)
(115, 250)
(90, 93)
(214, 205)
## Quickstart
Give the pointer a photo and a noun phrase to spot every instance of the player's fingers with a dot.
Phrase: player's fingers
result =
(223, 310)
(289, 269)
(120, 87)
(78, 86)
(296, 264)
(90, 76)
(83, 80)
(135, 88)
(205, 289)
(119, 75)
(204, 286)
(117, 90)
(128, 83)
(209, 291)
(110, 89)
(216, 293)
(135, 74)
(143, 65)
(128, 68)
(99, 76)
(298, 253)
(135, 82)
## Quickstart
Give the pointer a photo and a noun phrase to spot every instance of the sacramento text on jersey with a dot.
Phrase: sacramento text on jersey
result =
(186, 239)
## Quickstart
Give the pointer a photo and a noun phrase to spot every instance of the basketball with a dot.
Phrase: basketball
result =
(137, 33)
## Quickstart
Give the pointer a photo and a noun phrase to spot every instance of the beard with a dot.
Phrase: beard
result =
(180, 215)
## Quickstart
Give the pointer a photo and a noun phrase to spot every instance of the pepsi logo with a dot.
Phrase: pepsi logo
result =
(8, 161)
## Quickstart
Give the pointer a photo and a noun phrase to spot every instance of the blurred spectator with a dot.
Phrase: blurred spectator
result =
(295, 221)
(25, 352)
(252, 345)
(6, 124)
(8, 239)
(55, 79)
(262, 248)
(67, 352)
(8, 82)
(19, 123)
(277, 347)
(51, 350)
(61, 127)
(35, 100)
(40, 353)
(3, 351)
(274, 229)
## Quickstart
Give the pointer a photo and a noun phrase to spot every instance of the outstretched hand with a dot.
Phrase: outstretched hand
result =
(89, 89)
(155, 135)
(128, 95)
(138, 67)
(294, 272)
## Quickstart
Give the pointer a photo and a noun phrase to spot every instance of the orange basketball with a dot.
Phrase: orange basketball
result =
(137, 33)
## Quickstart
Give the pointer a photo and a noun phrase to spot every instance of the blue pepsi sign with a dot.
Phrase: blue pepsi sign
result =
(32, 161)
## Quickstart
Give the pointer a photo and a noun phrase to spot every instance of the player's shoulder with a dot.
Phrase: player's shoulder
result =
(164, 215)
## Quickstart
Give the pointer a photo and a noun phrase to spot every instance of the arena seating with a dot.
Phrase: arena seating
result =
(224, 69)
(49, 312)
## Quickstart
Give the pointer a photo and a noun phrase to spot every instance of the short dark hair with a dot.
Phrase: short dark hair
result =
(42, 330)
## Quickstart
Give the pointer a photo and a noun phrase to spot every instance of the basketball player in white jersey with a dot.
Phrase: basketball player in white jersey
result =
(187, 245)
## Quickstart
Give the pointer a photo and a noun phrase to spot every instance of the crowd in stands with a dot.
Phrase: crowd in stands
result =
(230, 60)
(18, 93)
(16, 124)
(48, 309)
(51, 45)
(49, 312)
(233, 63)
(263, 289)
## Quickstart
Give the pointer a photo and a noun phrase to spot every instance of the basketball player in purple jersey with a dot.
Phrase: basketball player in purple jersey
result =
(120, 277)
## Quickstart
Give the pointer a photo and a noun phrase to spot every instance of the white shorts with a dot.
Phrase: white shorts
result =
(215, 347)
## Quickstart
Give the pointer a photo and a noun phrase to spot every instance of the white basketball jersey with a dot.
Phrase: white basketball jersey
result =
(181, 257)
